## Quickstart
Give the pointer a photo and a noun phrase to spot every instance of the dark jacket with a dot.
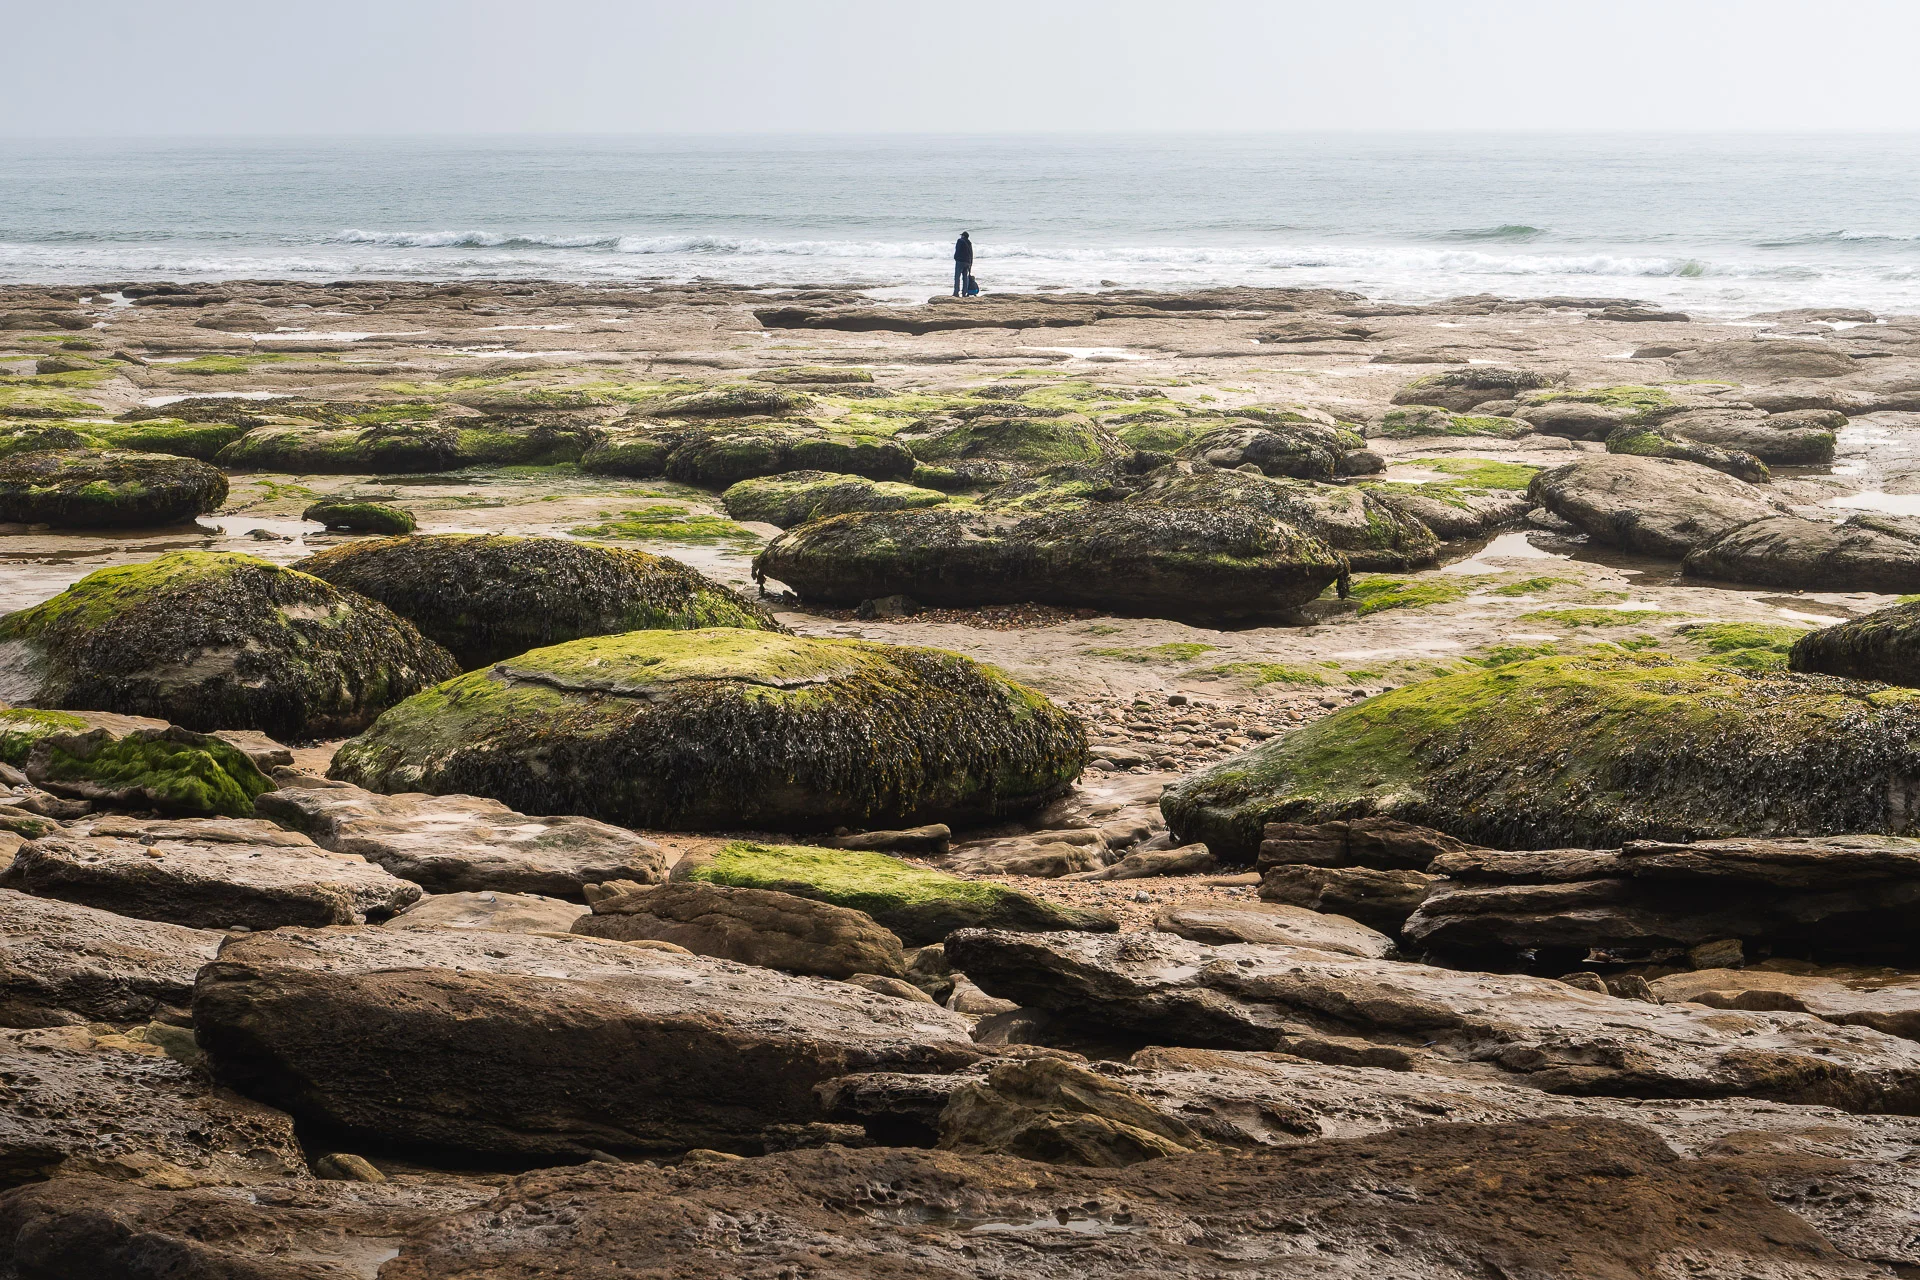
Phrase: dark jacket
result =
(963, 252)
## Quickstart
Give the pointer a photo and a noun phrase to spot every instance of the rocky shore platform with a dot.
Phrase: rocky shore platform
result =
(531, 779)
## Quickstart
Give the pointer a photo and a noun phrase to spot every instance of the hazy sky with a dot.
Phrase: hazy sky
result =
(635, 66)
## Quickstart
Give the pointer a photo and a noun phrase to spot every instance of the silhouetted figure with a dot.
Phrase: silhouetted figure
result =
(962, 261)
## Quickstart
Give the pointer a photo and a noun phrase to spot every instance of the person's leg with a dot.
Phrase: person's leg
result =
(959, 273)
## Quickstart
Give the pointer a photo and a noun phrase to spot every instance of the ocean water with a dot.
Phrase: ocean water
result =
(1714, 225)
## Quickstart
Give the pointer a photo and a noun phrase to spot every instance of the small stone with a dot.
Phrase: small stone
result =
(1587, 982)
(883, 985)
(345, 1167)
(703, 1155)
(1176, 699)
(1722, 953)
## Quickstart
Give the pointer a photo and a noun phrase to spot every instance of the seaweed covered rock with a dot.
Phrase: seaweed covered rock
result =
(1865, 552)
(918, 903)
(1188, 564)
(217, 640)
(1656, 506)
(1587, 752)
(721, 455)
(1302, 450)
(170, 769)
(202, 440)
(491, 596)
(730, 402)
(724, 728)
(1463, 389)
(1453, 512)
(1884, 645)
(409, 447)
(106, 489)
(1372, 534)
(800, 496)
(360, 517)
(1411, 422)
(1652, 442)
(39, 437)
(1011, 435)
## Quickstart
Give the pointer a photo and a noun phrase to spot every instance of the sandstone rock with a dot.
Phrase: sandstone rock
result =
(754, 926)
(1575, 419)
(489, 911)
(1452, 512)
(799, 496)
(1355, 1011)
(549, 1046)
(919, 904)
(1059, 1112)
(1784, 440)
(88, 1228)
(1192, 859)
(1865, 552)
(1845, 894)
(1656, 506)
(722, 729)
(1658, 442)
(1883, 645)
(95, 489)
(1884, 999)
(209, 885)
(1182, 563)
(216, 640)
(931, 841)
(61, 963)
(460, 844)
(1045, 855)
(103, 1104)
(1378, 899)
(491, 597)
(1583, 752)
(1380, 843)
(1447, 1202)
(1763, 360)
(898, 988)
(1274, 923)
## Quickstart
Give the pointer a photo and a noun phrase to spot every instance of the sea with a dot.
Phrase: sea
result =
(1714, 225)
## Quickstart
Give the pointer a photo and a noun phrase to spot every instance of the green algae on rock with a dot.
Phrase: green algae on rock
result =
(1186, 564)
(105, 489)
(918, 903)
(408, 447)
(799, 496)
(217, 640)
(202, 440)
(1582, 752)
(1352, 520)
(1012, 434)
(490, 596)
(1414, 421)
(722, 728)
(1650, 442)
(1883, 645)
(718, 455)
(360, 517)
(170, 769)
(38, 437)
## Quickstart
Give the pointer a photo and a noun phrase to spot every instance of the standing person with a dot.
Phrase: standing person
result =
(962, 261)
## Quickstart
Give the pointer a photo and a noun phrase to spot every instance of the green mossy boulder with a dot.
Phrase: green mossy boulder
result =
(800, 496)
(106, 489)
(719, 456)
(202, 440)
(1187, 564)
(1414, 421)
(1303, 451)
(217, 640)
(919, 904)
(491, 596)
(730, 402)
(1010, 434)
(1883, 645)
(816, 375)
(1373, 535)
(409, 447)
(169, 769)
(725, 729)
(1586, 752)
(360, 517)
(21, 727)
(1462, 389)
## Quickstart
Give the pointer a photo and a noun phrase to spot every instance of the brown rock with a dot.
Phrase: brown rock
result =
(754, 926)
(1384, 844)
(1884, 999)
(1378, 899)
(61, 963)
(1271, 923)
(490, 912)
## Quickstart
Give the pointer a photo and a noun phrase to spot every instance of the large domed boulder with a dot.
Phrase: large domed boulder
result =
(1373, 535)
(1581, 752)
(490, 596)
(1784, 439)
(1870, 551)
(106, 489)
(1657, 442)
(800, 496)
(1186, 564)
(1463, 389)
(1016, 437)
(1302, 450)
(1656, 506)
(723, 454)
(217, 640)
(1884, 645)
(729, 729)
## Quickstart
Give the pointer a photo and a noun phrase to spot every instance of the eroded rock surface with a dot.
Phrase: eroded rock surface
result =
(62, 963)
